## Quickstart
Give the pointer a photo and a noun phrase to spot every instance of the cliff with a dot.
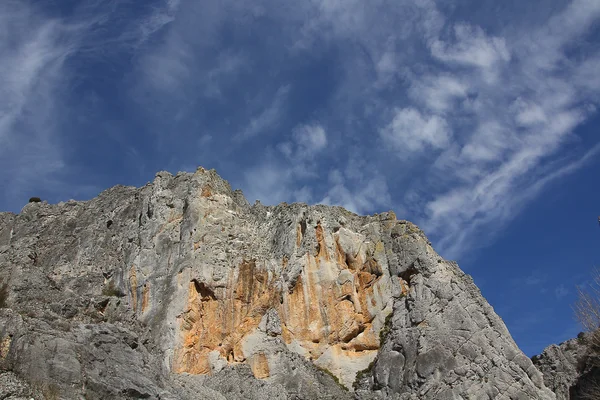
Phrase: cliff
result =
(182, 290)
(572, 369)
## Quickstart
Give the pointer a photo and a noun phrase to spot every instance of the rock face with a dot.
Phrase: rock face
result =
(571, 369)
(182, 290)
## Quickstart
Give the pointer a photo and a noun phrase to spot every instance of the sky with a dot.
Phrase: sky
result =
(477, 120)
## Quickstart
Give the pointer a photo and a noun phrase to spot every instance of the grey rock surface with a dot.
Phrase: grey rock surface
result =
(182, 290)
(569, 367)
(14, 388)
(445, 341)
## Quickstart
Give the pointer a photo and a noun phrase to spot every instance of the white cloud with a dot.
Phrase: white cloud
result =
(267, 182)
(545, 46)
(490, 143)
(536, 278)
(274, 180)
(438, 93)
(39, 56)
(306, 142)
(227, 64)
(463, 214)
(357, 194)
(310, 138)
(561, 291)
(156, 21)
(33, 52)
(167, 73)
(176, 61)
(272, 183)
(387, 65)
(472, 47)
(528, 114)
(268, 118)
(586, 77)
(513, 118)
(410, 131)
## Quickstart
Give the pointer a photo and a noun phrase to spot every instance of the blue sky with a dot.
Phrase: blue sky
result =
(476, 120)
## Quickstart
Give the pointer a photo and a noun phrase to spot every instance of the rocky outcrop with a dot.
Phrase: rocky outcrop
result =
(572, 368)
(181, 289)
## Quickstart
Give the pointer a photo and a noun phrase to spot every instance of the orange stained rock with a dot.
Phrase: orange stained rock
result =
(320, 313)
(298, 235)
(260, 366)
(365, 340)
(133, 287)
(349, 324)
(345, 258)
(198, 244)
(145, 297)
(323, 310)
(391, 220)
(403, 286)
(221, 323)
(206, 191)
(346, 291)
(371, 266)
(340, 255)
(301, 309)
(173, 218)
(193, 356)
(340, 351)
(321, 246)
(5, 347)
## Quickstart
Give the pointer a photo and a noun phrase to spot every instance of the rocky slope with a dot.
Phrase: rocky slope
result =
(182, 290)
(572, 368)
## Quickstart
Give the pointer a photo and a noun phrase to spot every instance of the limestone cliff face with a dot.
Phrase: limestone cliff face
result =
(181, 289)
(572, 368)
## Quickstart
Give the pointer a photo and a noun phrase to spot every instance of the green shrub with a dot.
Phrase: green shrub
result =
(386, 329)
(361, 374)
(335, 378)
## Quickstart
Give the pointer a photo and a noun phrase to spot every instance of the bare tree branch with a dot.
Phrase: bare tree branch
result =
(587, 312)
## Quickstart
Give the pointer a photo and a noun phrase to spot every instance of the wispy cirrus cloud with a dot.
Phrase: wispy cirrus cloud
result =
(471, 47)
(42, 52)
(287, 171)
(267, 118)
(357, 191)
(483, 113)
(162, 14)
(33, 53)
(522, 112)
